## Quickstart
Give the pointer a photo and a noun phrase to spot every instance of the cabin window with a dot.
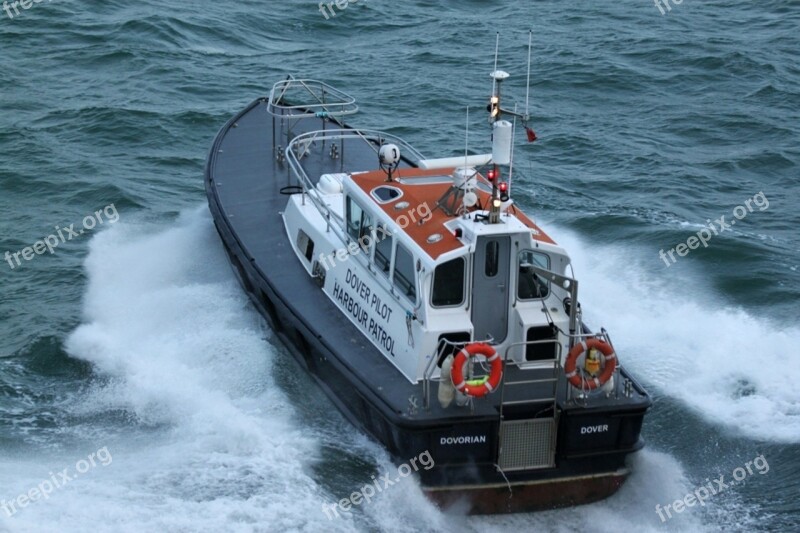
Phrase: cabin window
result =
(355, 215)
(359, 225)
(305, 244)
(492, 258)
(383, 249)
(530, 286)
(365, 233)
(404, 278)
(448, 283)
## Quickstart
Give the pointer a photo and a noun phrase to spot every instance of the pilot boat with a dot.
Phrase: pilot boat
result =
(434, 313)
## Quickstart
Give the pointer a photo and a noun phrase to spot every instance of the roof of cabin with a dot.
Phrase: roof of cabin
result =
(426, 193)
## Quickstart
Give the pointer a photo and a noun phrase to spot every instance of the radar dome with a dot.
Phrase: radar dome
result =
(389, 154)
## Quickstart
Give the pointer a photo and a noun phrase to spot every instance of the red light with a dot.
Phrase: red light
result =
(491, 174)
(503, 186)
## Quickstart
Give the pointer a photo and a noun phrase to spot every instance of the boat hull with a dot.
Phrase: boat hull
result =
(245, 187)
(529, 496)
(472, 490)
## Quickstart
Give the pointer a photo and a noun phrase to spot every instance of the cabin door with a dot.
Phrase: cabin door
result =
(490, 288)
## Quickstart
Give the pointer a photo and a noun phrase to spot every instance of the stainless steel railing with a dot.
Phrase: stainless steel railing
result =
(300, 147)
(312, 98)
(543, 365)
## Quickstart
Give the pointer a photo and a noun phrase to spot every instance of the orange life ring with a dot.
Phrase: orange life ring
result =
(571, 366)
(477, 390)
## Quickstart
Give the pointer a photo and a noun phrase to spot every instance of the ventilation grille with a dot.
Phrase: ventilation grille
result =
(527, 444)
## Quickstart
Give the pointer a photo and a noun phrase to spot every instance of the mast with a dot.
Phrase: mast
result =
(503, 133)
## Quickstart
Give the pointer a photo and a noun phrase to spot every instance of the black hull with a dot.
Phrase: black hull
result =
(586, 469)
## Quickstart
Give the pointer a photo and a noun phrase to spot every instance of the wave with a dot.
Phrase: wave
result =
(735, 369)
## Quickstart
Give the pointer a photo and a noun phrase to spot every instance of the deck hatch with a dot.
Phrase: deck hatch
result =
(385, 194)
(527, 444)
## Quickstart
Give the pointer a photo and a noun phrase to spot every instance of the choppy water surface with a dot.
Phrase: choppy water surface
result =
(134, 338)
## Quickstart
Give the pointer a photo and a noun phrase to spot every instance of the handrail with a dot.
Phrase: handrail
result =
(603, 334)
(302, 143)
(566, 283)
(369, 136)
(556, 365)
(426, 388)
(440, 346)
(540, 341)
(376, 137)
(343, 103)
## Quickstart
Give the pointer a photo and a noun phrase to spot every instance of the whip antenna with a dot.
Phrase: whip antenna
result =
(496, 50)
(528, 88)
(466, 150)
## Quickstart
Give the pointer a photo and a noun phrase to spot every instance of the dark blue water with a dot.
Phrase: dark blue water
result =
(133, 342)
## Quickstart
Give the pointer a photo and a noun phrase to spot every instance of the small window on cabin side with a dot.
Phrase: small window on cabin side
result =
(492, 258)
(359, 224)
(448, 283)
(354, 216)
(383, 249)
(531, 286)
(404, 275)
(305, 244)
(365, 233)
